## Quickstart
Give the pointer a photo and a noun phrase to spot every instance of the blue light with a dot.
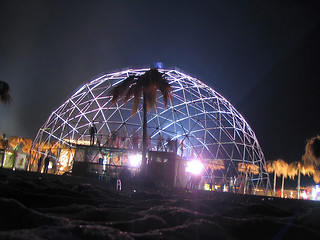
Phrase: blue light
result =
(159, 65)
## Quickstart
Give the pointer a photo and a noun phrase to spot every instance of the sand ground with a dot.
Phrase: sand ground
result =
(38, 206)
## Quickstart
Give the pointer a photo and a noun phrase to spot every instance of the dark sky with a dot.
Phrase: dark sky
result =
(249, 51)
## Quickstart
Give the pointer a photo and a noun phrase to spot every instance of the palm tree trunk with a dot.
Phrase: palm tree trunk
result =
(274, 183)
(144, 134)
(299, 173)
(282, 187)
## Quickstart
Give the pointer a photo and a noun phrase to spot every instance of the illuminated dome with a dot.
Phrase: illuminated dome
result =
(205, 124)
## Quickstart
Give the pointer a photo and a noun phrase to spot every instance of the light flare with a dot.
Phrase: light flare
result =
(194, 167)
(135, 160)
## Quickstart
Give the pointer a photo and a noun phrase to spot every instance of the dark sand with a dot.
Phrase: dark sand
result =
(35, 206)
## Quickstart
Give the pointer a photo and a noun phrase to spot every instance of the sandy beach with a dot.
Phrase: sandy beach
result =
(38, 206)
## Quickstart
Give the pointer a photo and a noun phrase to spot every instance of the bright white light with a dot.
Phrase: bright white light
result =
(195, 167)
(224, 188)
(135, 160)
(304, 195)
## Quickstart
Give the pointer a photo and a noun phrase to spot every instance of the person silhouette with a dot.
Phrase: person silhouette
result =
(46, 164)
(92, 131)
(40, 164)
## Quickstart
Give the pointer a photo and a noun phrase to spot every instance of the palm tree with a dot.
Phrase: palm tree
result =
(272, 169)
(4, 92)
(311, 158)
(248, 168)
(296, 168)
(280, 168)
(146, 84)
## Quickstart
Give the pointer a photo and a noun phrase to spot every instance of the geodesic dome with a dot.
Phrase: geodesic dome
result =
(202, 123)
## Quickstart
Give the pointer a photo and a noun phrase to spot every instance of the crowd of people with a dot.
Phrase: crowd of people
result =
(44, 164)
(114, 140)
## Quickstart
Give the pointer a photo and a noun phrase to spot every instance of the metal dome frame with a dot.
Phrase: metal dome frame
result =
(204, 123)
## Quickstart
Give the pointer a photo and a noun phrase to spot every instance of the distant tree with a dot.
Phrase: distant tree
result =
(294, 169)
(308, 166)
(316, 176)
(298, 167)
(3, 141)
(312, 151)
(24, 144)
(280, 168)
(272, 169)
(249, 170)
(311, 157)
(146, 85)
(4, 92)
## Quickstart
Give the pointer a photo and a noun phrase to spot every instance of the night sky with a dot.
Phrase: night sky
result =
(263, 56)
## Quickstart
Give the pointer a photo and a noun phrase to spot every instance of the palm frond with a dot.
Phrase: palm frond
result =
(148, 83)
(281, 167)
(129, 93)
(162, 84)
(137, 90)
(316, 176)
(270, 167)
(166, 92)
(293, 169)
(4, 92)
(312, 151)
(121, 89)
(151, 98)
(307, 169)
(217, 165)
(248, 167)
(316, 147)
